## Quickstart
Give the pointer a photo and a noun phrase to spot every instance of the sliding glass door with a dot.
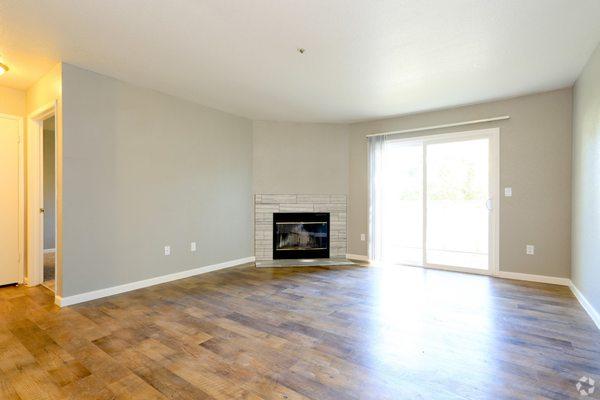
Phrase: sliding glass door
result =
(435, 201)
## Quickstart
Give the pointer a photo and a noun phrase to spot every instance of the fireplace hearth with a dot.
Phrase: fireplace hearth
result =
(300, 235)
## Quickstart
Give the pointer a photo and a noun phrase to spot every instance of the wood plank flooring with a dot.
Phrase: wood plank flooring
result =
(49, 269)
(302, 333)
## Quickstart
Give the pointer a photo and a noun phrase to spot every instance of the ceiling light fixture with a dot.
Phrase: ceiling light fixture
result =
(3, 69)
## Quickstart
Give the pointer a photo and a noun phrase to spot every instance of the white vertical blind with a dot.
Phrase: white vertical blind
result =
(376, 149)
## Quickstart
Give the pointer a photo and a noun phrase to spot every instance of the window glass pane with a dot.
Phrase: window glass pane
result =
(402, 203)
(457, 191)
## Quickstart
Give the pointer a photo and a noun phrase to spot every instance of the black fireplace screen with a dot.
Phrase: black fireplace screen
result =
(300, 235)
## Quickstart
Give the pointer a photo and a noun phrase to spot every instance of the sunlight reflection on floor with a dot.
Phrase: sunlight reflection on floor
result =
(409, 301)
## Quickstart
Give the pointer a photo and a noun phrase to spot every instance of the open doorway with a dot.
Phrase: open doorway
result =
(43, 208)
(49, 201)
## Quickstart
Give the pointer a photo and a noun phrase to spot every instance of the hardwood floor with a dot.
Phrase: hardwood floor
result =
(49, 269)
(318, 333)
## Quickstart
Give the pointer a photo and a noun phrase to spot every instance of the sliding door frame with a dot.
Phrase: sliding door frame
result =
(493, 134)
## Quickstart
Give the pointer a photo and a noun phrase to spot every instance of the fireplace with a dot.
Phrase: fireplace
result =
(300, 235)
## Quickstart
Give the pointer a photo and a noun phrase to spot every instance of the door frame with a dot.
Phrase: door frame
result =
(494, 180)
(35, 188)
(21, 210)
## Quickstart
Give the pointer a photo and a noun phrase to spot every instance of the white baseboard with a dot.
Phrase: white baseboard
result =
(46, 251)
(357, 257)
(127, 287)
(533, 278)
(587, 306)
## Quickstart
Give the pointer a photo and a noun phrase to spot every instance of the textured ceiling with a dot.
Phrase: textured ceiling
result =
(363, 60)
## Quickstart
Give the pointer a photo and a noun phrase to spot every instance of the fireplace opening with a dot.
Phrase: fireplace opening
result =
(300, 235)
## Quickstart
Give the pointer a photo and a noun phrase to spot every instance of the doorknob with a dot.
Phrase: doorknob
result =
(42, 210)
(488, 204)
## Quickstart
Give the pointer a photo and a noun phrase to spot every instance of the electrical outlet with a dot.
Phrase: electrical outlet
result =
(167, 250)
(363, 237)
(193, 246)
(530, 249)
(507, 192)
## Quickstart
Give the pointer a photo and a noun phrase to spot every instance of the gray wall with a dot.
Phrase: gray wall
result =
(586, 181)
(142, 170)
(49, 185)
(535, 160)
(300, 158)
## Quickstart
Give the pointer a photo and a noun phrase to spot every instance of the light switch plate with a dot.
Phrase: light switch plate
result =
(507, 192)
(193, 246)
(167, 250)
(530, 249)
(363, 237)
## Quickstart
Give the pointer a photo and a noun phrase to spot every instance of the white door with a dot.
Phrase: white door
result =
(437, 201)
(9, 200)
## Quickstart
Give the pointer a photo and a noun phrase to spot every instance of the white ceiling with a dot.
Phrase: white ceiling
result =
(364, 59)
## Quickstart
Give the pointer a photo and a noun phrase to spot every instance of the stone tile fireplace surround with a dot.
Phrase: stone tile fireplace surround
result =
(267, 204)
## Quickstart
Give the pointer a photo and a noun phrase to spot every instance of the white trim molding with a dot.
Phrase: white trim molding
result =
(533, 278)
(587, 306)
(127, 287)
(357, 257)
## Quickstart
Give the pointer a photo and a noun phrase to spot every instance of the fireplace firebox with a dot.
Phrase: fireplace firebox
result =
(300, 235)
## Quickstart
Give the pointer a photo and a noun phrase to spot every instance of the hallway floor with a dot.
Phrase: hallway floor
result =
(49, 270)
